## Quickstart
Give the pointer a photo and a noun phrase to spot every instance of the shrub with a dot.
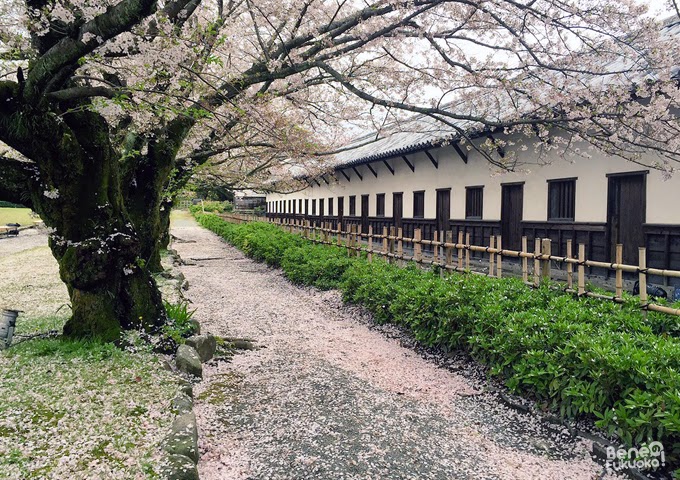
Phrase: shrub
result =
(210, 206)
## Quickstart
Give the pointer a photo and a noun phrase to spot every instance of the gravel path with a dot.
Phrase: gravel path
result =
(329, 397)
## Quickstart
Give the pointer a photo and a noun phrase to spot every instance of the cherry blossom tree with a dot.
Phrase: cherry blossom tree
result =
(107, 108)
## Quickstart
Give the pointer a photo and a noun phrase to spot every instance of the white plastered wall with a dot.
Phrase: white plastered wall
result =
(663, 195)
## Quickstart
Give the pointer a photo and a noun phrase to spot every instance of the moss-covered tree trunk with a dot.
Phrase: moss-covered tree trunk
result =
(147, 191)
(76, 189)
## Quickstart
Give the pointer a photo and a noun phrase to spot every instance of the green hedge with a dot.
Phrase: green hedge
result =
(574, 355)
(5, 204)
(212, 206)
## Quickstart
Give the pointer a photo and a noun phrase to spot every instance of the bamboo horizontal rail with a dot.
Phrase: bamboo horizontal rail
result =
(440, 253)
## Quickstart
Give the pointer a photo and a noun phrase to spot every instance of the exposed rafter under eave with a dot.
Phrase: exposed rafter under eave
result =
(432, 159)
(358, 174)
(460, 152)
(499, 149)
(344, 174)
(389, 167)
(375, 174)
(410, 165)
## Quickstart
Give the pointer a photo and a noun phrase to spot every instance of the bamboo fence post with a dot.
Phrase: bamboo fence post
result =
(570, 267)
(619, 272)
(400, 245)
(491, 255)
(448, 250)
(460, 250)
(384, 242)
(537, 261)
(339, 234)
(546, 250)
(643, 277)
(525, 262)
(348, 240)
(467, 251)
(581, 269)
(370, 243)
(390, 244)
(417, 247)
(435, 249)
(499, 265)
(358, 240)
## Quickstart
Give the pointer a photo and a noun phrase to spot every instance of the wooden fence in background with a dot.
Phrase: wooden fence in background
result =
(452, 255)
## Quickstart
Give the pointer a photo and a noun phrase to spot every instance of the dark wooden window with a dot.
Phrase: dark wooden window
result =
(300, 206)
(290, 207)
(321, 205)
(380, 204)
(419, 204)
(561, 199)
(306, 206)
(313, 206)
(474, 202)
(352, 205)
(330, 207)
(294, 205)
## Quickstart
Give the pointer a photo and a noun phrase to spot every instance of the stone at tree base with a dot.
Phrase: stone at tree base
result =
(188, 361)
(178, 467)
(183, 438)
(205, 345)
(196, 326)
(181, 404)
(186, 388)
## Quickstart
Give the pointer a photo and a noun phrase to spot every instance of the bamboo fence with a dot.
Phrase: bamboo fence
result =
(455, 256)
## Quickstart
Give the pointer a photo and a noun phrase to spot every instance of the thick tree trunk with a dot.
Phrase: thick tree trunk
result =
(147, 191)
(143, 198)
(77, 192)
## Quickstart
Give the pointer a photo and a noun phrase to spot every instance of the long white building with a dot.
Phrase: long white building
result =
(402, 181)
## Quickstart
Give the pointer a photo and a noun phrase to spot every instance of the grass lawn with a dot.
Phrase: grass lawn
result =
(72, 409)
(16, 215)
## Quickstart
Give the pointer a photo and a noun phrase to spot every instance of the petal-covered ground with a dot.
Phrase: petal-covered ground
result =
(329, 397)
(69, 409)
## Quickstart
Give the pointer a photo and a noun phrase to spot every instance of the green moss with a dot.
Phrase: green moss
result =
(220, 391)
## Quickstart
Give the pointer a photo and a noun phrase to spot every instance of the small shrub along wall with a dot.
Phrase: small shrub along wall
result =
(577, 356)
(212, 206)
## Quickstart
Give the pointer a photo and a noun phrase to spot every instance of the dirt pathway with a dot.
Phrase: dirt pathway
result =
(328, 397)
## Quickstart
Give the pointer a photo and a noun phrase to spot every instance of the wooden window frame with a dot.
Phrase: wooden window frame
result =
(417, 193)
(468, 207)
(379, 204)
(568, 204)
(352, 205)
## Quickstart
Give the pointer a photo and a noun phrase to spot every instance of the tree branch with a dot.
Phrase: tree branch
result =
(76, 93)
(66, 53)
